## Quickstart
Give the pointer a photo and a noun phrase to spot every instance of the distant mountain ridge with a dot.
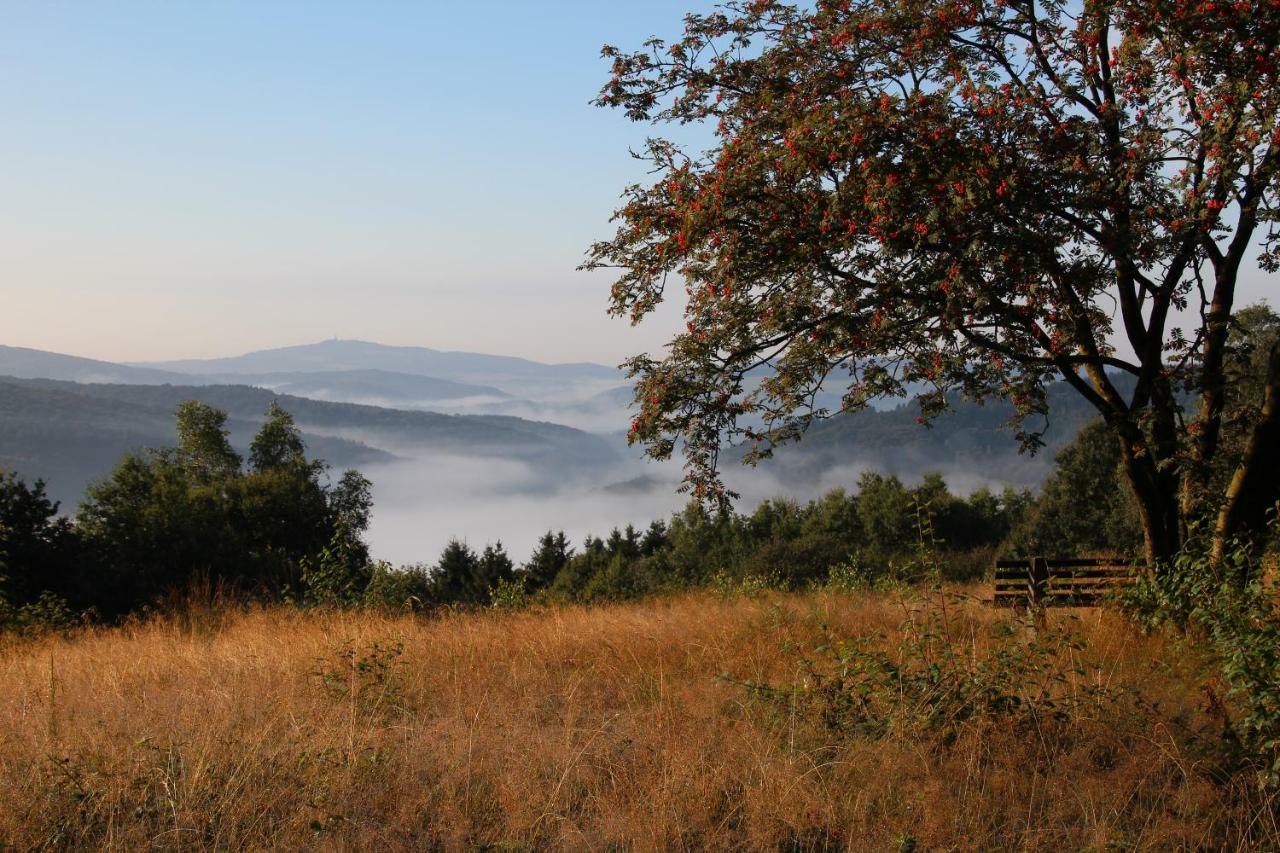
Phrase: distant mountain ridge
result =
(383, 414)
(345, 355)
(972, 440)
(26, 363)
(418, 378)
(369, 387)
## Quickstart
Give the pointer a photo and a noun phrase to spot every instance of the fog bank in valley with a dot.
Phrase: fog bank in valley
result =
(420, 504)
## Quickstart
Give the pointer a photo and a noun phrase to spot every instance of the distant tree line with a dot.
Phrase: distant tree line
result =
(275, 527)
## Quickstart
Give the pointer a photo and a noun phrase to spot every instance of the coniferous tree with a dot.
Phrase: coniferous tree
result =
(453, 579)
(548, 559)
(39, 551)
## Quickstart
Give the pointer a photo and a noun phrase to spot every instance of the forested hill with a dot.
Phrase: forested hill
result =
(371, 387)
(971, 440)
(70, 433)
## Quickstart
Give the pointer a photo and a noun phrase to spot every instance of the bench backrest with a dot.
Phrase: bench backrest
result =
(1076, 582)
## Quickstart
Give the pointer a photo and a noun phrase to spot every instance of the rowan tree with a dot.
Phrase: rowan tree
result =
(974, 197)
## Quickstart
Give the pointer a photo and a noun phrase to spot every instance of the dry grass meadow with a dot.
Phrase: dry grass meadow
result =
(605, 728)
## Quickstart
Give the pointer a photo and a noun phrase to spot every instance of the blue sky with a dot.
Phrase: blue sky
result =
(189, 179)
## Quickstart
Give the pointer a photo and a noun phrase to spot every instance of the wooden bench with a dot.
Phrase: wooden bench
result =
(1040, 582)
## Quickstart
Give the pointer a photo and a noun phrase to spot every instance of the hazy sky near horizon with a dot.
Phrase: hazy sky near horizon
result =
(204, 179)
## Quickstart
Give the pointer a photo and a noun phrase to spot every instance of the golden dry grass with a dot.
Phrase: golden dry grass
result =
(600, 728)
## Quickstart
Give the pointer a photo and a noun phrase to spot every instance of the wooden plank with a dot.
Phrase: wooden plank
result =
(1085, 590)
(1093, 577)
(1091, 571)
(1084, 570)
(1067, 570)
(1073, 563)
(1085, 562)
(1093, 574)
(1059, 583)
(1105, 590)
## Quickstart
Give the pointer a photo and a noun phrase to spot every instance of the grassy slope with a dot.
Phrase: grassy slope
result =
(574, 729)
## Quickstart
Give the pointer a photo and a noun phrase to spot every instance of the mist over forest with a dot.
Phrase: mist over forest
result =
(490, 449)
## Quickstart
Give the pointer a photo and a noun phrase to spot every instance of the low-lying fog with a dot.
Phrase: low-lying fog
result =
(426, 498)
(419, 505)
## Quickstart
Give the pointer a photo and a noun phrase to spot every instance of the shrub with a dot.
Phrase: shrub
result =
(337, 575)
(369, 679)
(748, 586)
(510, 594)
(795, 563)
(1230, 613)
(403, 589)
(936, 681)
(852, 576)
(48, 612)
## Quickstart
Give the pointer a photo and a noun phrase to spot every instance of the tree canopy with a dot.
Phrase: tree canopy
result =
(168, 518)
(924, 197)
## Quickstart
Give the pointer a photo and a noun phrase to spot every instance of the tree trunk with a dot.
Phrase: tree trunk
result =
(1255, 485)
(1156, 493)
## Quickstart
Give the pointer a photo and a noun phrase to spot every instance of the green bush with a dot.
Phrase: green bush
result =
(510, 594)
(1229, 613)
(796, 563)
(47, 613)
(746, 586)
(339, 574)
(398, 590)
